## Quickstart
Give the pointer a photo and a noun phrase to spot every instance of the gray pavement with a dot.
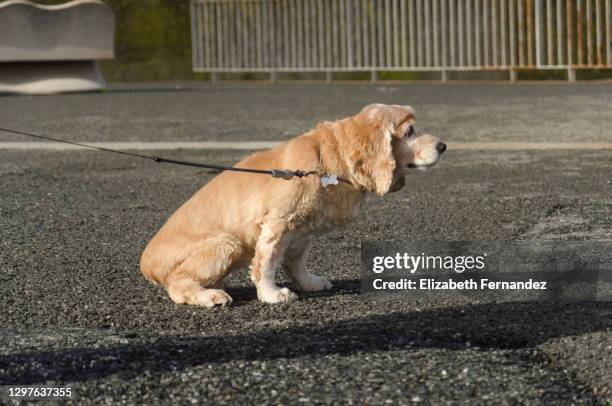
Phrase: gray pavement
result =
(248, 112)
(75, 310)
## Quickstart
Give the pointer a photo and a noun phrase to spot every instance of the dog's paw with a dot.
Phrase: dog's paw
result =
(283, 295)
(313, 283)
(213, 297)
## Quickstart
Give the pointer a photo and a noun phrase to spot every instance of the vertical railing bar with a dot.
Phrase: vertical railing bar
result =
(349, 33)
(321, 33)
(569, 32)
(239, 36)
(366, 34)
(277, 34)
(309, 34)
(451, 19)
(521, 32)
(195, 45)
(468, 31)
(306, 41)
(412, 24)
(494, 26)
(396, 30)
(419, 29)
(329, 33)
(206, 39)
(291, 34)
(579, 33)
(219, 37)
(461, 40)
(320, 51)
(485, 31)
(589, 11)
(530, 29)
(246, 35)
(212, 40)
(381, 43)
(286, 37)
(271, 35)
(426, 30)
(222, 36)
(539, 31)
(264, 35)
(233, 27)
(477, 17)
(249, 34)
(199, 15)
(373, 35)
(231, 46)
(234, 39)
(203, 14)
(549, 36)
(258, 35)
(435, 18)
(314, 34)
(502, 17)
(221, 33)
(404, 40)
(313, 50)
(589, 34)
(511, 29)
(608, 33)
(296, 34)
(559, 34)
(231, 23)
(358, 34)
(252, 35)
(598, 30)
(388, 53)
(335, 39)
(300, 33)
(342, 31)
(444, 7)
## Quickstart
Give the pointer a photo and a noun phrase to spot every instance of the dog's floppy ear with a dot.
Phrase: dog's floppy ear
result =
(371, 159)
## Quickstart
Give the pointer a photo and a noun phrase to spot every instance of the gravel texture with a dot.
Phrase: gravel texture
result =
(74, 309)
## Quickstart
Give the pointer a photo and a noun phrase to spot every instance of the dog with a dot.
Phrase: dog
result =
(244, 219)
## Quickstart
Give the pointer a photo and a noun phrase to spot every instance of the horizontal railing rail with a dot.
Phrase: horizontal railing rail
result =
(400, 35)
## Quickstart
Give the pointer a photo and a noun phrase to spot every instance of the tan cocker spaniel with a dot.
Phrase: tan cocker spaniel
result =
(241, 220)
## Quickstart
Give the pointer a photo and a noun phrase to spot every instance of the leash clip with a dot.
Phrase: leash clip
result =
(282, 174)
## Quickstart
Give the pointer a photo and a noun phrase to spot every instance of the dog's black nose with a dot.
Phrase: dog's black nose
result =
(441, 147)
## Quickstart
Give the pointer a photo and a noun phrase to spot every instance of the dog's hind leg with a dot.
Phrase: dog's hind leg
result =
(294, 265)
(194, 279)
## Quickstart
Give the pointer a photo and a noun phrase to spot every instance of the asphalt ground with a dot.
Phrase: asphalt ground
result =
(75, 311)
(240, 112)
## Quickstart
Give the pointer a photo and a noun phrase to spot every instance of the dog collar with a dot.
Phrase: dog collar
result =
(328, 178)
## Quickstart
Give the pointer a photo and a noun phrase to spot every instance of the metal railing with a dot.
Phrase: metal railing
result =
(400, 35)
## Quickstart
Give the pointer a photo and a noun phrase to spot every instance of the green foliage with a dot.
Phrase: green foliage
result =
(152, 40)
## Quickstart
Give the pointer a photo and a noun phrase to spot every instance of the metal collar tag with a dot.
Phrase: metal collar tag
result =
(327, 180)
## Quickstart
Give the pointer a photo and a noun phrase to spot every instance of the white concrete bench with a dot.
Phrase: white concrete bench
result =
(52, 49)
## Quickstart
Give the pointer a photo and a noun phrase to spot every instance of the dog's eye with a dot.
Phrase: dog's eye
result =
(410, 132)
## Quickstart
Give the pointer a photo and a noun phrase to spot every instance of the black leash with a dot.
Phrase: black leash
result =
(276, 173)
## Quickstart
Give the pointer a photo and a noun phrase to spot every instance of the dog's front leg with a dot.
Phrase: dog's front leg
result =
(294, 265)
(268, 253)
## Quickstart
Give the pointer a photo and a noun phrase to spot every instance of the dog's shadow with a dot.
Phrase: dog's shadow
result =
(497, 326)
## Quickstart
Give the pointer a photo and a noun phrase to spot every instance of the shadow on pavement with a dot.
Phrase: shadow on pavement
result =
(500, 326)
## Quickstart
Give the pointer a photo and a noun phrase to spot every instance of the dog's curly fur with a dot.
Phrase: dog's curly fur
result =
(242, 219)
